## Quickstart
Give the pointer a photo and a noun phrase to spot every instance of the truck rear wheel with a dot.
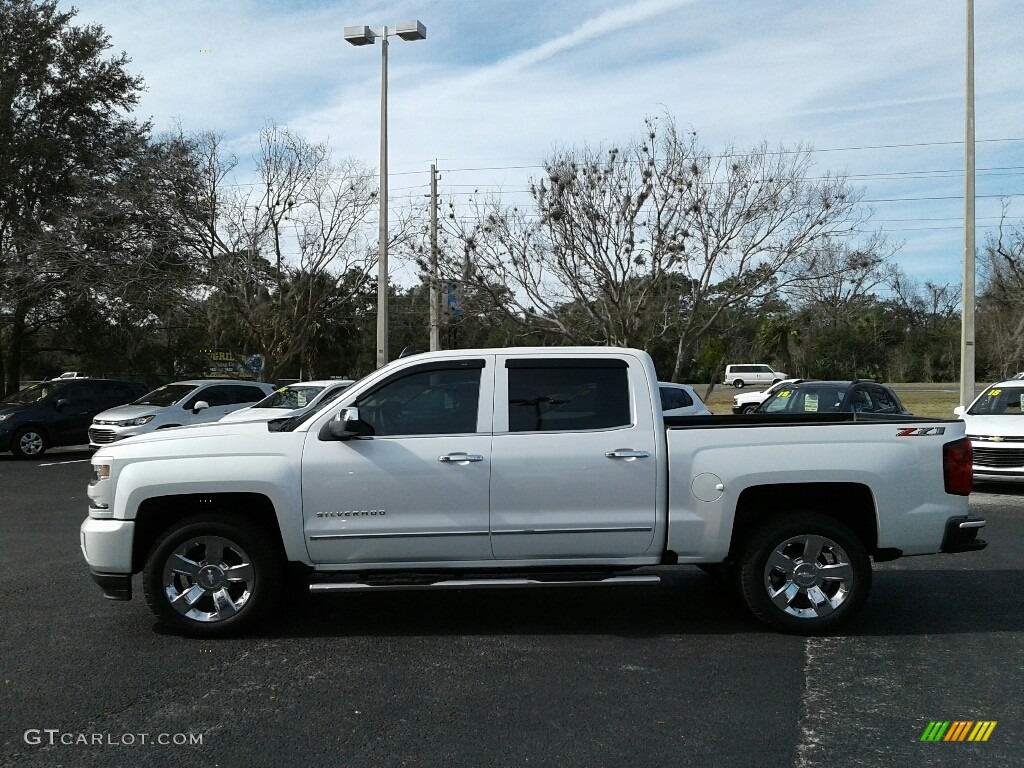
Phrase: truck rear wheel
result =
(212, 576)
(804, 573)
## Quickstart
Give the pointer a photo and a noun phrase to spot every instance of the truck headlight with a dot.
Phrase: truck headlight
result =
(137, 422)
(100, 472)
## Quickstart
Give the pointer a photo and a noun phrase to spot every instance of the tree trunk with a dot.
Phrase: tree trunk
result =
(12, 368)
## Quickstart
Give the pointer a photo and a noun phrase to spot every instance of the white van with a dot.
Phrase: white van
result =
(741, 375)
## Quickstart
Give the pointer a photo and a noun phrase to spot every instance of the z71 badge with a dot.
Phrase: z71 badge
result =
(920, 431)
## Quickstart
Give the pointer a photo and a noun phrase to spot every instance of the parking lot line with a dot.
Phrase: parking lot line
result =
(57, 463)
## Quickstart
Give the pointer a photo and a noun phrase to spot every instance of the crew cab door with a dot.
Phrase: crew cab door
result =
(417, 490)
(574, 464)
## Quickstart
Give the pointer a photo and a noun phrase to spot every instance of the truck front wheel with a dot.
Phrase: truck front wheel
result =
(804, 573)
(212, 576)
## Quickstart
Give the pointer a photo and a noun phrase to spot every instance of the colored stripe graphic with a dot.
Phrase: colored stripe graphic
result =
(959, 730)
(982, 730)
(935, 730)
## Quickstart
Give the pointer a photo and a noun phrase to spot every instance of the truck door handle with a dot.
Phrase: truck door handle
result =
(627, 453)
(454, 458)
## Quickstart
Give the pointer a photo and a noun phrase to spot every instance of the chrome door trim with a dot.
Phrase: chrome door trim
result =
(404, 535)
(622, 529)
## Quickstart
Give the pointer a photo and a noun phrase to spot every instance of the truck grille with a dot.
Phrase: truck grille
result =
(1001, 458)
(101, 436)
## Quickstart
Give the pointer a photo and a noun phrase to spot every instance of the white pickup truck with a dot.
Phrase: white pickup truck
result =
(521, 467)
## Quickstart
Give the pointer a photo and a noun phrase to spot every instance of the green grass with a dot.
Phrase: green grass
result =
(923, 399)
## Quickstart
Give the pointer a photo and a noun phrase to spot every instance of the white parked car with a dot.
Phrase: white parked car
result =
(681, 400)
(742, 375)
(289, 399)
(995, 425)
(175, 405)
(748, 401)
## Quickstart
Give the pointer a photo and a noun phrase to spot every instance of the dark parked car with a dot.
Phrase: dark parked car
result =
(58, 412)
(857, 396)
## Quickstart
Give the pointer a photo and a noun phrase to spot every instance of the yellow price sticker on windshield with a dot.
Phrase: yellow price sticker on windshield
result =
(282, 389)
(784, 393)
(995, 392)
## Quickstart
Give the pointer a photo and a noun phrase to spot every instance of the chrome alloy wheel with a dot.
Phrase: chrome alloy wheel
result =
(208, 579)
(30, 443)
(808, 576)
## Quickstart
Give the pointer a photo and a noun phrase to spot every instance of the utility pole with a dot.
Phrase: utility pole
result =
(435, 299)
(967, 314)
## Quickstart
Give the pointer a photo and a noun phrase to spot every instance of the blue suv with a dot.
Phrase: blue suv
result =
(58, 412)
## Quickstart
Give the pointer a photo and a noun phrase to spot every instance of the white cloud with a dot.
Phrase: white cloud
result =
(502, 82)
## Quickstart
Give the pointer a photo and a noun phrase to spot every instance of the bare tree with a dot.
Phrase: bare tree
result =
(1001, 304)
(659, 238)
(838, 276)
(287, 247)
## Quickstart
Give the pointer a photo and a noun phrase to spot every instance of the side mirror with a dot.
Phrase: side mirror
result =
(345, 426)
(959, 410)
(61, 403)
(201, 405)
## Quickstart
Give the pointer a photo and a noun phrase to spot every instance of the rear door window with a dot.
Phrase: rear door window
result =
(567, 395)
(243, 393)
(673, 397)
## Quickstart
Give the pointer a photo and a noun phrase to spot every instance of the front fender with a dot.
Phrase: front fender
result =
(270, 476)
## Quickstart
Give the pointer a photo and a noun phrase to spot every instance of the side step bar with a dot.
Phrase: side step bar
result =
(612, 581)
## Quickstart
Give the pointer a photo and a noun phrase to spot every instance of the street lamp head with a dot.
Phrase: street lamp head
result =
(360, 35)
(411, 30)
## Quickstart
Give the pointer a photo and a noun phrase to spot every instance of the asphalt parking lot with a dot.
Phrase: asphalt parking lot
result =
(673, 675)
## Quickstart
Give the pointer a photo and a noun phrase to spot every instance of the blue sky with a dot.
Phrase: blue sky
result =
(876, 87)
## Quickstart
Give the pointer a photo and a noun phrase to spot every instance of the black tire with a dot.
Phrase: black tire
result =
(211, 552)
(750, 408)
(29, 443)
(738, 383)
(786, 559)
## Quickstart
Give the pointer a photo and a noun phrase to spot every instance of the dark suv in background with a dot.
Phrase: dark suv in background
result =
(58, 412)
(857, 396)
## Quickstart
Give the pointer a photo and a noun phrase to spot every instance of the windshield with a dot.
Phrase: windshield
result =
(166, 395)
(806, 400)
(32, 394)
(999, 401)
(293, 396)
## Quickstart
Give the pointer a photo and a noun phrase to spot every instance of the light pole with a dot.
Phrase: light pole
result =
(407, 30)
(967, 353)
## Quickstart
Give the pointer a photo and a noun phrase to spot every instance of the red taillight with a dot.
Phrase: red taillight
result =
(957, 470)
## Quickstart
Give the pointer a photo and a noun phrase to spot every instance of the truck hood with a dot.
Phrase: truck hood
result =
(750, 397)
(201, 441)
(1001, 426)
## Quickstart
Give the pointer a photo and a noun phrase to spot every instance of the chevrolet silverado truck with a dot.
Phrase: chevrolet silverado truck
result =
(521, 467)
